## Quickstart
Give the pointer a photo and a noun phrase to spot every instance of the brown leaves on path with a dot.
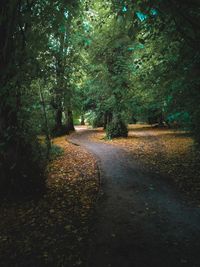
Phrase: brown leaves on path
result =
(165, 151)
(53, 230)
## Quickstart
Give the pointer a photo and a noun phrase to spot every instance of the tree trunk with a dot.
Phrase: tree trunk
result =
(58, 121)
(107, 118)
(59, 89)
(82, 120)
(70, 121)
(9, 95)
(48, 139)
(161, 119)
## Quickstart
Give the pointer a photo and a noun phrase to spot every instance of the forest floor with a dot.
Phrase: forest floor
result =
(168, 152)
(147, 213)
(53, 230)
(142, 218)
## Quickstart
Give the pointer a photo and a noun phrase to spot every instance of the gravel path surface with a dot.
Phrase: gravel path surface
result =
(141, 221)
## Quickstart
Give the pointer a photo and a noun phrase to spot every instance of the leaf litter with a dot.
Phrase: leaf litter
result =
(169, 152)
(54, 230)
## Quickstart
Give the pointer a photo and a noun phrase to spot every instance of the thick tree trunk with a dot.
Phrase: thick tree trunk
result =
(107, 118)
(117, 127)
(58, 120)
(8, 109)
(70, 121)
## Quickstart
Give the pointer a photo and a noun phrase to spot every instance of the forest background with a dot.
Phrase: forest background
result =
(113, 62)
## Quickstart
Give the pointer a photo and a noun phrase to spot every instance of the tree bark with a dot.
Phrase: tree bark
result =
(48, 139)
(58, 119)
(70, 121)
(82, 120)
(107, 118)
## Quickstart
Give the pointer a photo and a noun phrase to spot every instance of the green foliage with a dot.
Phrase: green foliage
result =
(114, 59)
(97, 122)
(94, 119)
(182, 119)
(55, 152)
(130, 63)
(116, 128)
(33, 75)
(24, 175)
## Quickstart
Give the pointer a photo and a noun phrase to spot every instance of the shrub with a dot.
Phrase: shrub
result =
(181, 119)
(95, 119)
(55, 152)
(59, 132)
(24, 175)
(116, 128)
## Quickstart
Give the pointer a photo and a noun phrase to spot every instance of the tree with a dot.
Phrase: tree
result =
(20, 150)
(26, 30)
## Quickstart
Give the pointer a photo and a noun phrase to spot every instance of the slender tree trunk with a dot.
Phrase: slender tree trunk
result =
(82, 120)
(48, 139)
(59, 90)
(161, 119)
(105, 120)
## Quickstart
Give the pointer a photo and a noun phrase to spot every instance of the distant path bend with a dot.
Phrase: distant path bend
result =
(140, 220)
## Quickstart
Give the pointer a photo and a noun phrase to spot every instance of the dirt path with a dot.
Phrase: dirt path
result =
(140, 220)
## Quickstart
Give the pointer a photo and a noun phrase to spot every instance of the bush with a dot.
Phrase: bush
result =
(23, 160)
(97, 122)
(55, 152)
(132, 120)
(181, 119)
(196, 126)
(116, 128)
(95, 119)
(25, 175)
(59, 132)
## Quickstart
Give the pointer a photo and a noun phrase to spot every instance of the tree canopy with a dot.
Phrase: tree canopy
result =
(114, 62)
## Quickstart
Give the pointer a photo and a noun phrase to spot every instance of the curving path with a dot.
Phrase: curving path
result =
(140, 220)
